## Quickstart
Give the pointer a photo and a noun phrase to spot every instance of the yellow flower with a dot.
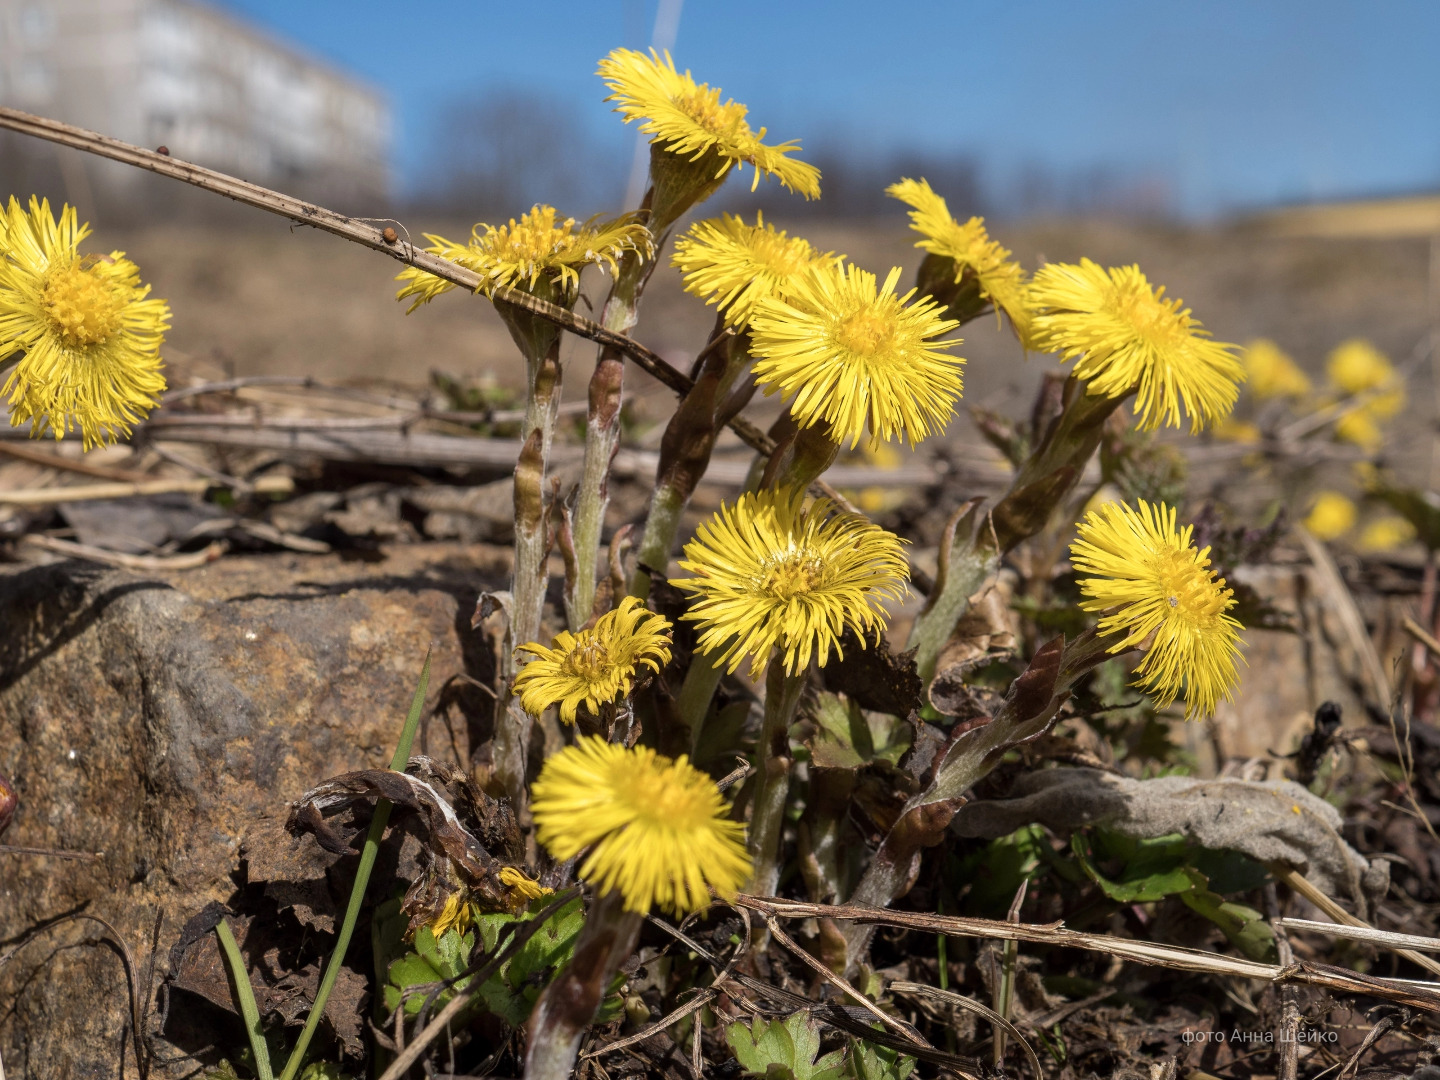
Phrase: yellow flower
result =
(656, 828)
(734, 265)
(458, 913)
(1127, 336)
(1270, 373)
(851, 355)
(517, 255)
(88, 336)
(1331, 517)
(595, 666)
(1002, 281)
(1163, 587)
(1385, 534)
(689, 120)
(1237, 431)
(519, 889)
(1358, 368)
(772, 574)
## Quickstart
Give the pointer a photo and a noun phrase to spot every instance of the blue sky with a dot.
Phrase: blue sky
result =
(1232, 103)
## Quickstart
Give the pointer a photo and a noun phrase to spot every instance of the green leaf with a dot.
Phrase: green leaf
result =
(1154, 870)
(841, 735)
(871, 1062)
(784, 1051)
(1245, 927)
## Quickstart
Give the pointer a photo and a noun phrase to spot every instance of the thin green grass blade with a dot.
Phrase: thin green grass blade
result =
(246, 995)
(362, 879)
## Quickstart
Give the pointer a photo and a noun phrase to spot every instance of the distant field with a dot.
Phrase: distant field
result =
(271, 299)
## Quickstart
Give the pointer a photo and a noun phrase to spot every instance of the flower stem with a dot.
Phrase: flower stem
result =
(245, 994)
(569, 1003)
(528, 580)
(696, 693)
(782, 697)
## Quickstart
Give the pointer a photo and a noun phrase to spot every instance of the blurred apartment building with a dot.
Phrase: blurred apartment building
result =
(187, 76)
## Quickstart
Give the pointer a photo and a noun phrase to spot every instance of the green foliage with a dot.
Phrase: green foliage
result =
(325, 1070)
(784, 1050)
(1151, 870)
(841, 735)
(509, 993)
(871, 1062)
(790, 1050)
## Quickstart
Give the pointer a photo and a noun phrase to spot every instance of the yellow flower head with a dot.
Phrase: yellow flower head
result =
(850, 354)
(771, 573)
(1161, 586)
(1332, 516)
(517, 255)
(734, 266)
(595, 666)
(656, 828)
(689, 120)
(1126, 336)
(1357, 367)
(1270, 373)
(1002, 281)
(89, 336)
(1385, 534)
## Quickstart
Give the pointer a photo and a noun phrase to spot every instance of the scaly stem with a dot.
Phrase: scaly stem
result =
(602, 436)
(782, 697)
(569, 1003)
(540, 342)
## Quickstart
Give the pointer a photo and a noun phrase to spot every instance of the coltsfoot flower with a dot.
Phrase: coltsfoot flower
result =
(517, 255)
(657, 829)
(734, 265)
(1270, 373)
(89, 335)
(1332, 516)
(519, 889)
(1357, 368)
(772, 574)
(842, 351)
(595, 666)
(688, 119)
(1124, 334)
(1001, 280)
(1162, 586)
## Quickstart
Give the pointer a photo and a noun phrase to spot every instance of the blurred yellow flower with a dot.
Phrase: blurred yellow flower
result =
(1359, 369)
(517, 255)
(845, 352)
(1229, 429)
(1152, 581)
(734, 266)
(595, 666)
(1331, 516)
(1270, 373)
(657, 829)
(1124, 335)
(772, 574)
(1001, 280)
(1385, 534)
(689, 120)
(87, 335)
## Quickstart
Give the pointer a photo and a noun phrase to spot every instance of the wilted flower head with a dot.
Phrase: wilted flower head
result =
(1161, 586)
(89, 335)
(1124, 335)
(656, 829)
(772, 574)
(518, 255)
(852, 355)
(595, 666)
(689, 120)
(734, 266)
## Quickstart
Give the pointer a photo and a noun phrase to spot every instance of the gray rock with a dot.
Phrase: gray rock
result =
(163, 721)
